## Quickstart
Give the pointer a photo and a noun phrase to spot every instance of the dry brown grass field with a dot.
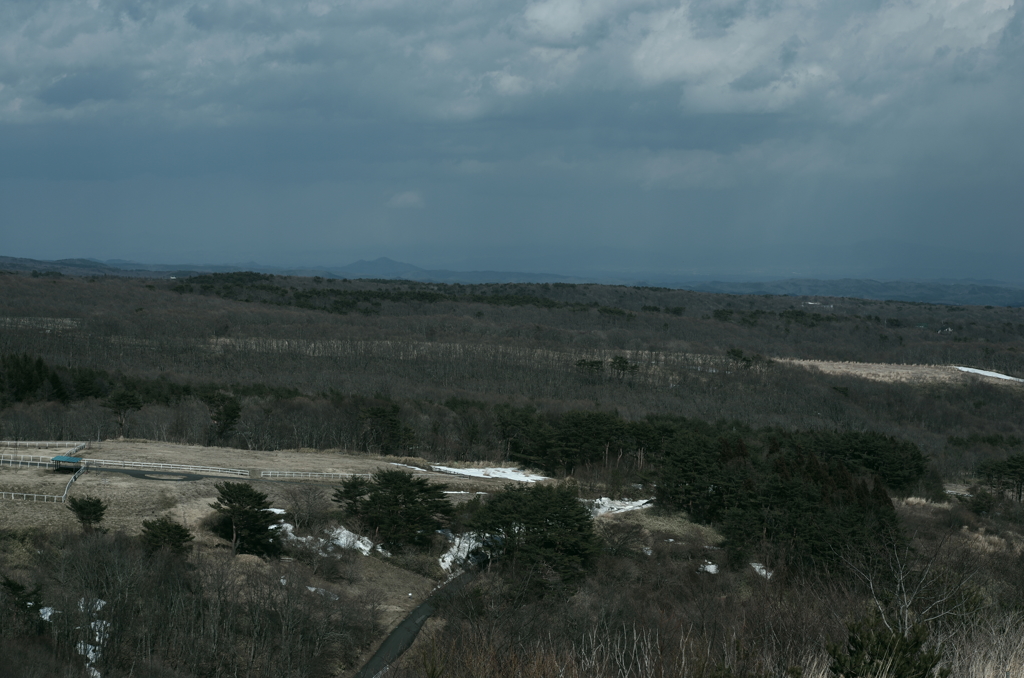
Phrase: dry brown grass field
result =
(132, 499)
(395, 591)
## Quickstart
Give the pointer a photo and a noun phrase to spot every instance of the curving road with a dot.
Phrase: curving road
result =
(405, 633)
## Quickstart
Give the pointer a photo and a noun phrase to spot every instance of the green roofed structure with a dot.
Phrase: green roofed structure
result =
(62, 462)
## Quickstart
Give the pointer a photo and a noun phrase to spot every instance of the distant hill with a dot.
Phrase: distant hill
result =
(958, 293)
(382, 268)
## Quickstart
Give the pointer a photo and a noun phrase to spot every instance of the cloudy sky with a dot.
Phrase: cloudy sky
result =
(756, 138)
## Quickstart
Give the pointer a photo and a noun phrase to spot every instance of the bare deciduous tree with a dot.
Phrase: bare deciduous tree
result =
(910, 587)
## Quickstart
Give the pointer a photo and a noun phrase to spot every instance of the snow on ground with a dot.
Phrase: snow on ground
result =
(101, 629)
(338, 536)
(278, 511)
(762, 570)
(91, 653)
(350, 540)
(46, 613)
(708, 567)
(414, 468)
(986, 373)
(323, 592)
(515, 474)
(453, 558)
(600, 507)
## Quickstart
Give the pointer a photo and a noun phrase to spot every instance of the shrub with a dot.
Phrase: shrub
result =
(165, 533)
(88, 510)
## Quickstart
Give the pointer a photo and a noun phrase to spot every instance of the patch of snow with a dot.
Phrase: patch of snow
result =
(456, 554)
(708, 567)
(762, 570)
(278, 511)
(414, 468)
(600, 507)
(350, 540)
(90, 652)
(339, 537)
(101, 629)
(284, 582)
(93, 607)
(515, 474)
(322, 592)
(986, 373)
(46, 613)
(647, 551)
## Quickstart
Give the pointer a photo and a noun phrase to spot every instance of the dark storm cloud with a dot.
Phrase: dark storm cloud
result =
(733, 135)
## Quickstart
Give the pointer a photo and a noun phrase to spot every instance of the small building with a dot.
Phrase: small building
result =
(62, 463)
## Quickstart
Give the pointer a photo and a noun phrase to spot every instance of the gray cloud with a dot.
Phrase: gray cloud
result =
(742, 134)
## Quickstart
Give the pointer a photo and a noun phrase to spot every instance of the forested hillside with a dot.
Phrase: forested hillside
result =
(792, 508)
(259, 361)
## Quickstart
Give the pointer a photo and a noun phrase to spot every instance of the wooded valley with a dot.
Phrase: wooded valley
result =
(834, 485)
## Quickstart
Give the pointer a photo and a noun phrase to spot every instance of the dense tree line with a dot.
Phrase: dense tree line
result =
(427, 373)
(803, 509)
(52, 402)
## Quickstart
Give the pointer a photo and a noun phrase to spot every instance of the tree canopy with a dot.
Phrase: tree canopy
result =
(245, 520)
(806, 507)
(542, 526)
(401, 510)
(165, 533)
(88, 510)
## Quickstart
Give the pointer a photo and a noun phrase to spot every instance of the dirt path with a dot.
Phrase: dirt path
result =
(894, 373)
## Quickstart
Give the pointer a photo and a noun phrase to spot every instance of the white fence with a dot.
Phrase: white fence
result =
(52, 498)
(153, 466)
(43, 444)
(46, 498)
(36, 460)
(24, 460)
(67, 488)
(309, 476)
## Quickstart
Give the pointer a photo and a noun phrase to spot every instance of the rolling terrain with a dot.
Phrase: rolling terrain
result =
(774, 437)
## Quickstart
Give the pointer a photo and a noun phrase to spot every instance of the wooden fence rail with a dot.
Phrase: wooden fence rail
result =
(50, 498)
(43, 444)
(309, 476)
(21, 463)
(30, 459)
(154, 466)
(46, 498)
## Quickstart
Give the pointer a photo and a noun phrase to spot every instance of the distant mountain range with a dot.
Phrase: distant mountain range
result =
(956, 292)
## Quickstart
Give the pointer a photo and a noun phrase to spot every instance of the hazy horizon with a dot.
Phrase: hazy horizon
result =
(688, 138)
